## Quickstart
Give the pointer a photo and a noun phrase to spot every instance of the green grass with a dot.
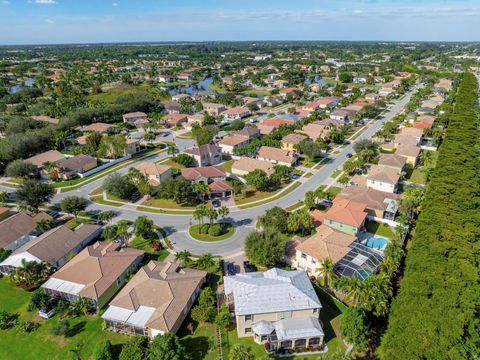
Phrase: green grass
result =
(165, 204)
(380, 229)
(100, 200)
(360, 132)
(73, 223)
(385, 151)
(144, 245)
(295, 206)
(336, 173)
(193, 231)
(227, 166)
(40, 344)
(308, 175)
(417, 177)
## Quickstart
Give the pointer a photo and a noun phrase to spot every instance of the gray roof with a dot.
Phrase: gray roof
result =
(298, 328)
(272, 291)
(263, 327)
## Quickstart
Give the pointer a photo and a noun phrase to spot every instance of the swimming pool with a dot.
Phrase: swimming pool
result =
(378, 243)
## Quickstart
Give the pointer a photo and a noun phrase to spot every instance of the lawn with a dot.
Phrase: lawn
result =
(227, 166)
(110, 95)
(173, 164)
(41, 344)
(193, 231)
(417, 177)
(165, 204)
(336, 173)
(144, 245)
(380, 229)
(73, 223)
(245, 198)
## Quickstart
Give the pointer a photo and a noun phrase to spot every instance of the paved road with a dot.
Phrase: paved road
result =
(244, 220)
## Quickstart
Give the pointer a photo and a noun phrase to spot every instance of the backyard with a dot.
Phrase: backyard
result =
(380, 229)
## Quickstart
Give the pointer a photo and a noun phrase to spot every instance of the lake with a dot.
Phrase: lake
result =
(201, 86)
(16, 88)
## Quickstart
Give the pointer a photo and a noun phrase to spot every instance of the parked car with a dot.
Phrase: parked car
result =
(230, 269)
(46, 313)
(53, 214)
(216, 203)
(349, 155)
(135, 197)
(249, 267)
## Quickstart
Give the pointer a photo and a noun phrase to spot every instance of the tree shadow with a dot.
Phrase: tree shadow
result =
(76, 329)
(197, 347)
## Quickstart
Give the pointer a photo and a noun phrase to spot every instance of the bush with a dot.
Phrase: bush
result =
(38, 300)
(203, 229)
(156, 245)
(7, 320)
(28, 326)
(103, 351)
(61, 329)
(215, 230)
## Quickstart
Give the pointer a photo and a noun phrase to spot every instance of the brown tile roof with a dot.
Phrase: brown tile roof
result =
(54, 244)
(327, 243)
(266, 129)
(152, 169)
(97, 267)
(220, 186)
(175, 118)
(293, 139)
(392, 160)
(408, 150)
(401, 139)
(249, 164)
(236, 111)
(166, 287)
(134, 115)
(411, 131)
(18, 225)
(233, 140)
(277, 122)
(47, 156)
(317, 216)
(98, 127)
(248, 131)
(196, 173)
(315, 131)
(347, 212)
(374, 199)
(203, 150)
(272, 153)
(76, 162)
(383, 174)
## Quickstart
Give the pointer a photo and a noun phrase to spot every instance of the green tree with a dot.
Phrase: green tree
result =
(183, 256)
(93, 140)
(367, 150)
(171, 149)
(222, 319)
(309, 148)
(241, 352)
(144, 227)
(107, 215)
(73, 204)
(203, 135)
(202, 189)
(33, 194)
(276, 218)
(223, 212)
(326, 272)
(265, 248)
(118, 185)
(166, 347)
(184, 159)
(19, 169)
(199, 213)
(310, 199)
(202, 313)
(258, 178)
(62, 328)
(103, 350)
(149, 137)
(134, 349)
(353, 328)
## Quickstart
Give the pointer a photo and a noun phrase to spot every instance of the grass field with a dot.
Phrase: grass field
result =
(41, 344)
(380, 229)
(165, 204)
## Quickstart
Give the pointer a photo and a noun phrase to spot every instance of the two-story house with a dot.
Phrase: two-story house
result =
(346, 216)
(205, 155)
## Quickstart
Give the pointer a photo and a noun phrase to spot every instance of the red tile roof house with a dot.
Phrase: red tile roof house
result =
(214, 109)
(206, 174)
(52, 247)
(155, 173)
(132, 117)
(220, 188)
(100, 127)
(328, 102)
(311, 106)
(96, 273)
(231, 142)
(235, 113)
(277, 156)
(173, 120)
(205, 155)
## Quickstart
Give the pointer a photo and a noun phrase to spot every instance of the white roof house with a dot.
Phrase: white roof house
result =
(271, 291)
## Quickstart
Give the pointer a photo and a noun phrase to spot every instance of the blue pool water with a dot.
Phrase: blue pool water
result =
(377, 242)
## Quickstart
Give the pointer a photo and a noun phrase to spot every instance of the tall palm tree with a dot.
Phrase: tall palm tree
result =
(183, 256)
(353, 286)
(223, 212)
(212, 214)
(326, 272)
(202, 189)
(44, 224)
(199, 213)
(52, 170)
(205, 261)
(171, 149)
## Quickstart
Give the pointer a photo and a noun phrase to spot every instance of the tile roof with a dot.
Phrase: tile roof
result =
(134, 115)
(97, 267)
(383, 174)
(98, 127)
(76, 162)
(347, 212)
(374, 199)
(47, 156)
(408, 150)
(147, 168)
(18, 225)
(268, 152)
(293, 139)
(196, 173)
(392, 160)
(236, 110)
(249, 164)
(233, 140)
(220, 186)
(271, 291)
(203, 150)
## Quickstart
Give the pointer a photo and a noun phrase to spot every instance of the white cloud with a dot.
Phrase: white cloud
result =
(115, 4)
(6, 2)
(358, 11)
(45, 2)
(49, 21)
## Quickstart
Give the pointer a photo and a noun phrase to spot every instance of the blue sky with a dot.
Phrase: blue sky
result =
(84, 21)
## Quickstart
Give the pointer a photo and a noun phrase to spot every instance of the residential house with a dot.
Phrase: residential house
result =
(328, 102)
(214, 109)
(195, 119)
(360, 79)
(99, 127)
(50, 156)
(155, 173)
(393, 161)
(311, 106)
(172, 107)
(288, 92)
(180, 97)
(245, 165)
(132, 146)
(96, 273)
(75, 165)
(236, 113)
(340, 115)
(411, 152)
(277, 156)
(346, 216)
(185, 76)
(155, 301)
(166, 78)
(231, 142)
(315, 131)
(289, 141)
(278, 308)
(18, 229)
(174, 120)
(207, 174)
(220, 189)
(379, 204)
(135, 118)
(272, 101)
(249, 132)
(205, 155)
(383, 178)
(52, 247)
(372, 97)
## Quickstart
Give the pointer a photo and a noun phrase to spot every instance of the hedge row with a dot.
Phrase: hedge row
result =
(436, 312)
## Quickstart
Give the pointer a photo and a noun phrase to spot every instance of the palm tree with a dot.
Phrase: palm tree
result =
(202, 189)
(353, 286)
(81, 306)
(52, 170)
(4, 197)
(223, 212)
(293, 222)
(149, 137)
(326, 272)
(122, 230)
(305, 219)
(199, 213)
(106, 215)
(212, 214)
(183, 256)
(44, 224)
(30, 273)
(205, 261)
(171, 149)
(426, 158)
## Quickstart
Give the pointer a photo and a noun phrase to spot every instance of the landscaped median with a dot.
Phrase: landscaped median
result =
(194, 231)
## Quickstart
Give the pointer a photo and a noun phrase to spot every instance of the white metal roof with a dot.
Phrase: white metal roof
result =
(298, 328)
(263, 327)
(16, 259)
(271, 291)
(135, 318)
(63, 286)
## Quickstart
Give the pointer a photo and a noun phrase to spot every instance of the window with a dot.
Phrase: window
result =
(264, 338)
(248, 317)
(314, 262)
(315, 311)
(248, 330)
(118, 281)
(304, 256)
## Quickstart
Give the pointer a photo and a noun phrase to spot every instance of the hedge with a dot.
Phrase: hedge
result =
(436, 312)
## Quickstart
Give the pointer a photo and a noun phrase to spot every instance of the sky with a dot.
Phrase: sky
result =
(93, 21)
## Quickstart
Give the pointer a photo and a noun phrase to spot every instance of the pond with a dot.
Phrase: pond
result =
(193, 89)
(16, 88)
(316, 79)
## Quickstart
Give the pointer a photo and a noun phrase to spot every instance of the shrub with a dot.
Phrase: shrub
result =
(7, 320)
(215, 230)
(38, 300)
(103, 351)
(203, 229)
(28, 326)
(61, 329)
(156, 245)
